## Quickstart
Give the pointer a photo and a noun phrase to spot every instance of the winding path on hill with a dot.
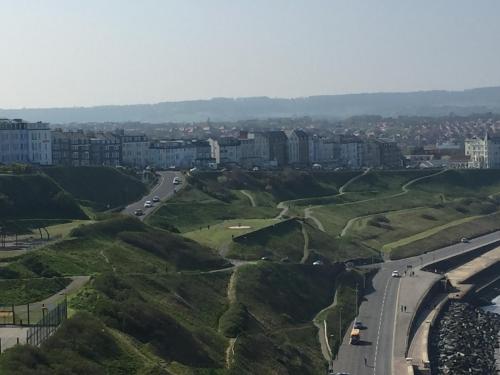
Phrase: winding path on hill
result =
(306, 244)
(249, 196)
(284, 210)
(308, 212)
(231, 297)
(322, 330)
(405, 190)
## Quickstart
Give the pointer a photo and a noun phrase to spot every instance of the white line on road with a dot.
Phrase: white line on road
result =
(379, 328)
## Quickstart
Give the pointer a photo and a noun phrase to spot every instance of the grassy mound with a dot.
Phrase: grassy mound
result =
(98, 187)
(280, 240)
(280, 301)
(33, 197)
(193, 209)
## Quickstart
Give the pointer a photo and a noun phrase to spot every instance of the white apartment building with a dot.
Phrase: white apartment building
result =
(135, 150)
(483, 153)
(23, 142)
(179, 154)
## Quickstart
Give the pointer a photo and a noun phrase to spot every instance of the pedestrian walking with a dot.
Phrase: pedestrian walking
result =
(405, 308)
(366, 362)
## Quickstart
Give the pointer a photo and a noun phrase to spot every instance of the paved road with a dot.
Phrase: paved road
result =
(378, 313)
(164, 189)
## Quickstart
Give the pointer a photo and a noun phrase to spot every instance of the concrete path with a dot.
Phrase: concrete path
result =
(308, 214)
(249, 196)
(306, 244)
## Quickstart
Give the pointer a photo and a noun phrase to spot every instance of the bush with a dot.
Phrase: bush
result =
(428, 217)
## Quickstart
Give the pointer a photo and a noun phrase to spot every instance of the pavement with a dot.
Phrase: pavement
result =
(164, 190)
(379, 312)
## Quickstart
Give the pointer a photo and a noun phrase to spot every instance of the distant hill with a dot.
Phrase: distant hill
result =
(422, 103)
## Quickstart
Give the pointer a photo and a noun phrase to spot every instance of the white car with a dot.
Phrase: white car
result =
(176, 181)
(396, 274)
(148, 204)
(318, 263)
(156, 198)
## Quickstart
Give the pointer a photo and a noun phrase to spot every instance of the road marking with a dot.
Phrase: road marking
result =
(159, 184)
(394, 329)
(380, 327)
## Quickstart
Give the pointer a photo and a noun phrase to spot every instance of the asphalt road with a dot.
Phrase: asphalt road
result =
(378, 312)
(164, 189)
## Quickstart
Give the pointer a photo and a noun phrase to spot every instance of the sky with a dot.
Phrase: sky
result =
(62, 53)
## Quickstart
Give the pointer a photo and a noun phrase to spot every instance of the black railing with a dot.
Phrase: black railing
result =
(49, 322)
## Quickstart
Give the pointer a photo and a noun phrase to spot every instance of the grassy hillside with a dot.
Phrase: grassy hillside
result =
(98, 187)
(463, 183)
(192, 209)
(280, 301)
(35, 196)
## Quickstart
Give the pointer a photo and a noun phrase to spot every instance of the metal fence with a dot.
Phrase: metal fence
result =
(51, 319)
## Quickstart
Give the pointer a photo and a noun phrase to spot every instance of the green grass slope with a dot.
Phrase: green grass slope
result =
(98, 187)
(463, 183)
(281, 301)
(193, 209)
(35, 196)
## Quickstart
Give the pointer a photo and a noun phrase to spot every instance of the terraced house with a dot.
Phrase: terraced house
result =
(25, 142)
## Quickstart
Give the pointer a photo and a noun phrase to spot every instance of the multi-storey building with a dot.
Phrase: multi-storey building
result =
(226, 150)
(70, 148)
(180, 154)
(134, 149)
(483, 153)
(24, 142)
(390, 154)
(278, 142)
(105, 149)
(351, 152)
(298, 148)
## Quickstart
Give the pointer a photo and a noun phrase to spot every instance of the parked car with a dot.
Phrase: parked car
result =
(138, 212)
(156, 198)
(396, 274)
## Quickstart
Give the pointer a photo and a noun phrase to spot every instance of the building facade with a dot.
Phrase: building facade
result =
(298, 148)
(24, 142)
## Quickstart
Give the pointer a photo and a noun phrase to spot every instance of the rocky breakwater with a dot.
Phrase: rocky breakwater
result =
(464, 341)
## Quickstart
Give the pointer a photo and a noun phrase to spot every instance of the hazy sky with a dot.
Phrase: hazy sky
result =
(74, 52)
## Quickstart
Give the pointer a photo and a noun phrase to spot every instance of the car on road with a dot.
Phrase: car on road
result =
(148, 204)
(464, 240)
(176, 181)
(265, 258)
(358, 324)
(138, 212)
(396, 274)
(318, 263)
(156, 198)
